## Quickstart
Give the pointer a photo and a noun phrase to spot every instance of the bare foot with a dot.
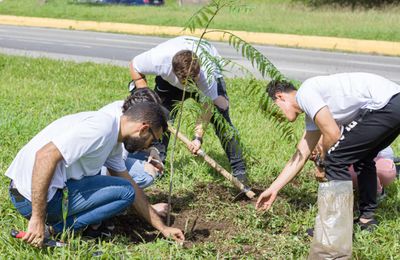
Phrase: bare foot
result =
(161, 209)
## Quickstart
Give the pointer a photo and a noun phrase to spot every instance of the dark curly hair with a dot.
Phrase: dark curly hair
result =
(140, 95)
(276, 86)
(148, 112)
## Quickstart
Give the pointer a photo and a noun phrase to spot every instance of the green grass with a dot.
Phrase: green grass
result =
(34, 92)
(274, 16)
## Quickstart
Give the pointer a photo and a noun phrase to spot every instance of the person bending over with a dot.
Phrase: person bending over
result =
(368, 106)
(174, 62)
(54, 177)
(143, 166)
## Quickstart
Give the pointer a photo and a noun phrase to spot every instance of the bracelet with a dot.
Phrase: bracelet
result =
(143, 77)
(198, 138)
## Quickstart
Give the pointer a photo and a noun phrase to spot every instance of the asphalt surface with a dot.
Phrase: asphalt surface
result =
(118, 49)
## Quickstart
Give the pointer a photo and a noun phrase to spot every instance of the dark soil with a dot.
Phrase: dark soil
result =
(189, 214)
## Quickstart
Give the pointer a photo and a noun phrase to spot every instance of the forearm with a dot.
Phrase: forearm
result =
(43, 171)
(292, 168)
(199, 130)
(328, 141)
(203, 121)
(306, 145)
(141, 204)
(328, 127)
(138, 78)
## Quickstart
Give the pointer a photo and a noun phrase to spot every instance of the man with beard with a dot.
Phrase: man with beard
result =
(54, 178)
(143, 166)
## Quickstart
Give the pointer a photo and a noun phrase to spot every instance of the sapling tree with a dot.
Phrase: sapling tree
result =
(200, 21)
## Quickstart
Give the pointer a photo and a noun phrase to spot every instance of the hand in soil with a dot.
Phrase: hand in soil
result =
(266, 199)
(174, 233)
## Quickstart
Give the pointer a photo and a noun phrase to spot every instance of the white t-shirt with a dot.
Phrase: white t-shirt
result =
(115, 109)
(158, 61)
(345, 94)
(86, 140)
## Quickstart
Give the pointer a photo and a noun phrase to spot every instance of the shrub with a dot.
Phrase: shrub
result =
(352, 3)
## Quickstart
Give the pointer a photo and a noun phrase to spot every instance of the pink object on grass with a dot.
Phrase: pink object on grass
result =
(386, 173)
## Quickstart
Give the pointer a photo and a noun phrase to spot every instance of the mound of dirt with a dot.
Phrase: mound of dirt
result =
(188, 214)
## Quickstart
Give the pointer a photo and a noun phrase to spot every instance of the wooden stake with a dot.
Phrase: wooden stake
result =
(250, 194)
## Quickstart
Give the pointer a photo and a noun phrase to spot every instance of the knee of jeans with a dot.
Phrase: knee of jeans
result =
(127, 192)
(24, 207)
(222, 104)
(146, 181)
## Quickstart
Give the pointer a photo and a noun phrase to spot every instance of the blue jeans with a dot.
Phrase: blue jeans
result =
(135, 165)
(90, 200)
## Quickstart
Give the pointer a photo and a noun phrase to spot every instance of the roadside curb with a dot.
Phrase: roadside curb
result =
(288, 40)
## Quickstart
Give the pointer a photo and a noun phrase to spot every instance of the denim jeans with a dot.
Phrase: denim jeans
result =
(90, 200)
(170, 95)
(135, 165)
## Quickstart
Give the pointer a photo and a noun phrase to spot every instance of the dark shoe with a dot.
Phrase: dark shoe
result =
(99, 233)
(370, 226)
(242, 178)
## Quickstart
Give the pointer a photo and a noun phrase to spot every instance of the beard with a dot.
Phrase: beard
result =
(134, 144)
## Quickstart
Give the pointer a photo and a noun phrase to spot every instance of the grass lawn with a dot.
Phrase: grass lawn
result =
(278, 16)
(34, 92)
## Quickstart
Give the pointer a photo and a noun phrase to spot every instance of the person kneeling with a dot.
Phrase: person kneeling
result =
(56, 173)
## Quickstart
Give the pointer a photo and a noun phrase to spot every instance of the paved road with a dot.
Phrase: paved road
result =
(119, 49)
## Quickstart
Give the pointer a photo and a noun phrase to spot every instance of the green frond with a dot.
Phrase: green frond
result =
(275, 116)
(257, 59)
(239, 8)
(202, 17)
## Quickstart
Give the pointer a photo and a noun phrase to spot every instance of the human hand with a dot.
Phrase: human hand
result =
(317, 152)
(314, 155)
(35, 233)
(194, 146)
(155, 160)
(174, 233)
(266, 199)
(152, 170)
(320, 174)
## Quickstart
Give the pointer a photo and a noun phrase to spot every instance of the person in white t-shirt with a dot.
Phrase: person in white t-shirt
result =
(143, 166)
(56, 173)
(368, 106)
(175, 61)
